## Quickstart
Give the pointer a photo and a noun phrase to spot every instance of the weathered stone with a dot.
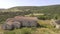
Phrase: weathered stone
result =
(7, 27)
(56, 23)
(19, 21)
(17, 24)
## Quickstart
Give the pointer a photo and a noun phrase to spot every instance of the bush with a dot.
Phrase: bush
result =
(44, 17)
(25, 31)
(9, 32)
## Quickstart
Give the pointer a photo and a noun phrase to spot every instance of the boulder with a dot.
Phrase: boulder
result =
(7, 27)
(16, 24)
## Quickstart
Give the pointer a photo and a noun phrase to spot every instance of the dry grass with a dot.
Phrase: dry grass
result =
(47, 29)
(44, 31)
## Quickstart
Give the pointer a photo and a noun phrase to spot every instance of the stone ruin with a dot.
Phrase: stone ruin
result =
(20, 21)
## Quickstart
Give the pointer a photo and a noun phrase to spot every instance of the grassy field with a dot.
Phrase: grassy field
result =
(45, 28)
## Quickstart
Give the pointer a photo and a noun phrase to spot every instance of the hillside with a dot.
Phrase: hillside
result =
(53, 10)
(43, 13)
(34, 9)
(37, 9)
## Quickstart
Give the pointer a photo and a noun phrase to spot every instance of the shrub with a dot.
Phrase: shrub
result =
(26, 31)
(44, 17)
(9, 32)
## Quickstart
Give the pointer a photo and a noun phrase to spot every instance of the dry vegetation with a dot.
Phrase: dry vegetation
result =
(45, 28)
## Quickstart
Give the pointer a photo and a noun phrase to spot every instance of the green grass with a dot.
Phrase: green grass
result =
(47, 29)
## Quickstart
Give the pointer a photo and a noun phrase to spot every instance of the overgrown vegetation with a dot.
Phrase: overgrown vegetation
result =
(50, 12)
